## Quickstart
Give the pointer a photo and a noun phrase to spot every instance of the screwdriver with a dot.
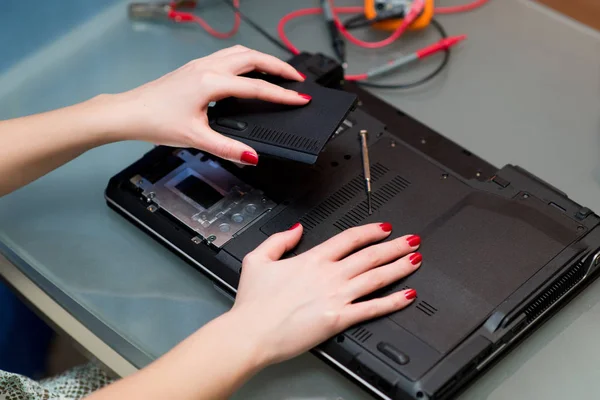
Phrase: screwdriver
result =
(366, 167)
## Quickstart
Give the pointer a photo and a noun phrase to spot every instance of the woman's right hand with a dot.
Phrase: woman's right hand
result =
(283, 308)
(172, 110)
(289, 306)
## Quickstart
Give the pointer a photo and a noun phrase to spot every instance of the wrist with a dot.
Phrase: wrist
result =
(251, 343)
(108, 116)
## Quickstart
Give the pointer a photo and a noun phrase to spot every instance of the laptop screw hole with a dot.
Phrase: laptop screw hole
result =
(525, 195)
(419, 395)
(347, 157)
(334, 164)
(339, 339)
(444, 176)
(580, 228)
(423, 141)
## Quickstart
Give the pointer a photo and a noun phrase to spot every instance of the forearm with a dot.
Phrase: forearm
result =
(35, 145)
(210, 364)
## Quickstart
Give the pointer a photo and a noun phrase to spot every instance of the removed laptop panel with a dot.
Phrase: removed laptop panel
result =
(297, 133)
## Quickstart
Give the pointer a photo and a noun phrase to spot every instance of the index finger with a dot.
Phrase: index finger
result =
(248, 88)
(248, 61)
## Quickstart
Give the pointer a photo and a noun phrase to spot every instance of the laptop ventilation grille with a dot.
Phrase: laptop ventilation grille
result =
(284, 139)
(381, 196)
(555, 292)
(328, 206)
(361, 334)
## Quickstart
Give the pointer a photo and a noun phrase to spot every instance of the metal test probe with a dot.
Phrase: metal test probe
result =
(366, 167)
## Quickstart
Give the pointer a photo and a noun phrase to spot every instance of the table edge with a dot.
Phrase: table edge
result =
(50, 302)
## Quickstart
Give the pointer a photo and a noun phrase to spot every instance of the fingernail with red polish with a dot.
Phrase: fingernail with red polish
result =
(416, 258)
(386, 227)
(410, 294)
(305, 96)
(413, 241)
(249, 157)
(301, 74)
(296, 225)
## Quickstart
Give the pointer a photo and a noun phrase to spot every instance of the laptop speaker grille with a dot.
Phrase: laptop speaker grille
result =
(555, 292)
(381, 196)
(338, 199)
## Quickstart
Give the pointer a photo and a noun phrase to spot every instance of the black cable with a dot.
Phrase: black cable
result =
(260, 30)
(421, 81)
(357, 19)
(360, 21)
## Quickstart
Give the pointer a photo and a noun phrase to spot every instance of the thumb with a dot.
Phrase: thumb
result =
(280, 243)
(227, 148)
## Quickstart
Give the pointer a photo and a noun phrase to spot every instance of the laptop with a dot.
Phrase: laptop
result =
(503, 250)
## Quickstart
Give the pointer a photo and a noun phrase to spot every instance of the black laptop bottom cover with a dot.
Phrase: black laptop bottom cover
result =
(490, 246)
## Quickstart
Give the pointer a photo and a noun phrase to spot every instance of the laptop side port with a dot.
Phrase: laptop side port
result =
(373, 378)
(525, 318)
(555, 292)
(541, 304)
(446, 391)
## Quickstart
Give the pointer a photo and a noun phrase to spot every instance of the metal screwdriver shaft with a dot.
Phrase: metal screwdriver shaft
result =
(366, 167)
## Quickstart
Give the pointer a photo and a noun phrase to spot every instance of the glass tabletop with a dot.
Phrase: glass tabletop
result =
(526, 94)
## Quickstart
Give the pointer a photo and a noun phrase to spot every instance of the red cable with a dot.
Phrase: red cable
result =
(443, 44)
(357, 77)
(462, 8)
(370, 45)
(178, 16)
(341, 10)
(185, 17)
(303, 12)
(314, 11)
(217, 34)
(188, 17)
